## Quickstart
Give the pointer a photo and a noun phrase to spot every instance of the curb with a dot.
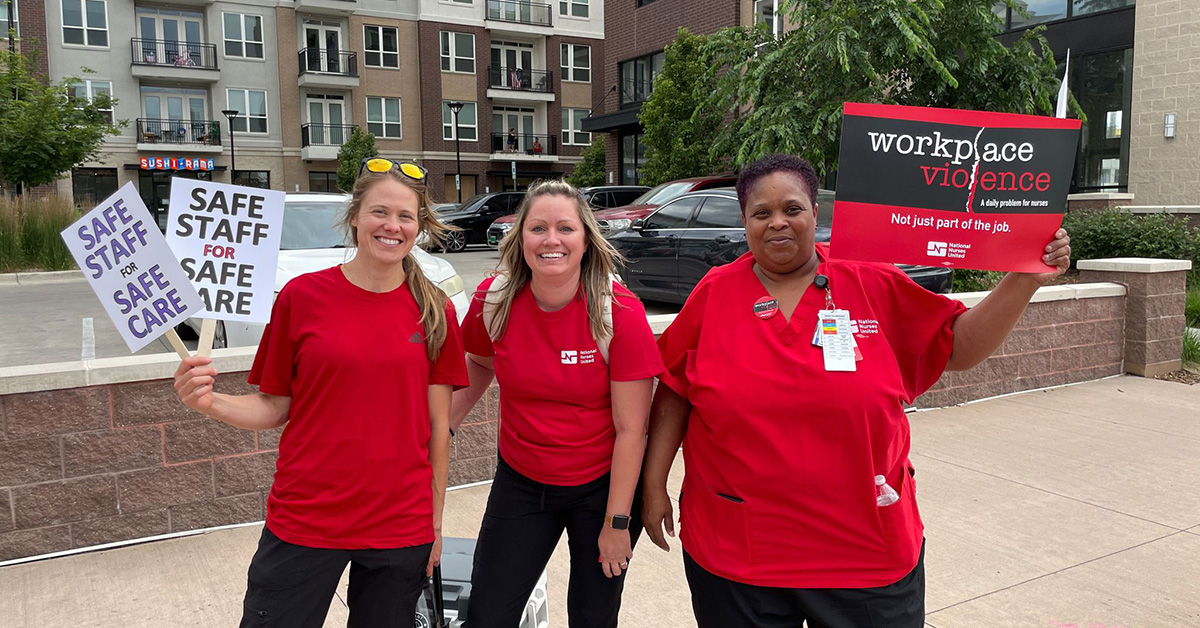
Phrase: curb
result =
(36, 277)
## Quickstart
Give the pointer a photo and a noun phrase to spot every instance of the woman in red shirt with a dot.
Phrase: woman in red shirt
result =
(358, 364)
(575, 360)
(798, 499)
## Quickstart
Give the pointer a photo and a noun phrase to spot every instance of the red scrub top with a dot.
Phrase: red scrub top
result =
(556, 423)
(780, 454)
(353, 469)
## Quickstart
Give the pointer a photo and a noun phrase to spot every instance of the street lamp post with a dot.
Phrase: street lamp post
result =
(231, 114)
(456, 107)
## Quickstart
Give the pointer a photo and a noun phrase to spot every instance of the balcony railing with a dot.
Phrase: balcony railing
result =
(521, 79)
(519, 12)
(324, 134)
(319, 60)
(634, 91)
(198, 132)
(524, 143)
(179, 54)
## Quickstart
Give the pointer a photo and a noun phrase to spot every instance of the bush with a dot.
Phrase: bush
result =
(1191, 310)
(1097, 234)
(30, 233)
(964, 280)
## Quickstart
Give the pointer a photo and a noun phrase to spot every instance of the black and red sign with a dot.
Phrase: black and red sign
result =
(944, 187)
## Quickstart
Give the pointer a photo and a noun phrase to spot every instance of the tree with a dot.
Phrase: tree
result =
(789, 91)
(360, 145)
(46, 128)
(678, 126)
(591, 170)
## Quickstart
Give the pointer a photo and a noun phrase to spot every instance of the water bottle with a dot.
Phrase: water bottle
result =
(884, 494)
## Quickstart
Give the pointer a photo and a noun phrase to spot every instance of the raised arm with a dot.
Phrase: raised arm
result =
(258, 411)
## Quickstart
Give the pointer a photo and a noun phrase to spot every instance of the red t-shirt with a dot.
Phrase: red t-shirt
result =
(780, 455)
(556, 423)
(353, 469)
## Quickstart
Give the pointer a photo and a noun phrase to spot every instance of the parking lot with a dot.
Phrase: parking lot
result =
(58, 318)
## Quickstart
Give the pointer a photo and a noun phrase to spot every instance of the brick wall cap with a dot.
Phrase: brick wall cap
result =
(1100, 196)
(1135, 265)
(133, 368)
(1052, 293)
(660, 322)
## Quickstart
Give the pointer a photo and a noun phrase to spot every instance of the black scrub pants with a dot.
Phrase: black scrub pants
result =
(291, 586)
(721, 603)
(521, 526)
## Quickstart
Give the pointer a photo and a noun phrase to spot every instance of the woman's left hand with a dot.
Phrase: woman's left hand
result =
(435, 553)
(615, 551)
(1058, 254)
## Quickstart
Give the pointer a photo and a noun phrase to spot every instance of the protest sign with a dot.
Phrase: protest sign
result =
(965, 189)
(132, 270)
(227, 240)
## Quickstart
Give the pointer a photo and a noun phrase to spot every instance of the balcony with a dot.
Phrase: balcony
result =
(327, 7)
(197, 136)
(326, 68)
(520, 16)
(520, 84)
(183, 61)
(524, 147)
(322, 141)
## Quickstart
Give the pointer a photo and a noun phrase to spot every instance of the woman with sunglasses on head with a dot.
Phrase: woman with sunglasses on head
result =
(575, 360)
(358, 364)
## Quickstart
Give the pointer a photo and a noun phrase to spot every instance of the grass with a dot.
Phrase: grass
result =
(1191, 348)
(30, 233)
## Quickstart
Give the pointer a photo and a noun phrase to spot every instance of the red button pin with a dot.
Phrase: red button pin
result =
(766, 307)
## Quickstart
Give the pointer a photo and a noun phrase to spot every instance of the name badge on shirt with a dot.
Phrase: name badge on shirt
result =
(835, 340)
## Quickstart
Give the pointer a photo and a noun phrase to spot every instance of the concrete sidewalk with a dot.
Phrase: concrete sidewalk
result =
(1076, 506)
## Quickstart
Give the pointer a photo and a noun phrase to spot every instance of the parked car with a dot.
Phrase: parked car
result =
(313, 240)
(475, 216)
(669, 251)
(598, 197)
(620, 218)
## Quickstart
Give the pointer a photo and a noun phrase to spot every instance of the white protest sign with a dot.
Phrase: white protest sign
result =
(132, 270)
(227, 240)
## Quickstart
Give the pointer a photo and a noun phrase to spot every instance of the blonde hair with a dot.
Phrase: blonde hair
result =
(597, 267)
(431, 301)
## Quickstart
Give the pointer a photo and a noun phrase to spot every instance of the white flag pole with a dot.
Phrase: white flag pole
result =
(1061, 110)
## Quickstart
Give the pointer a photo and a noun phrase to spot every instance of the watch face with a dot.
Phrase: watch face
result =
(620, 522)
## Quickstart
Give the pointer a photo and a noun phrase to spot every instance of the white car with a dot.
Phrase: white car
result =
(311, 241)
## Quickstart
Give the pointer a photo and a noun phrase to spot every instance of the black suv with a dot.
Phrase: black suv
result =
(474, 216)
(609, 196)
(669, 251)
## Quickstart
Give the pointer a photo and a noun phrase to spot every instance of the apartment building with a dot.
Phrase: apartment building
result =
(293, 78)
(1135, 70)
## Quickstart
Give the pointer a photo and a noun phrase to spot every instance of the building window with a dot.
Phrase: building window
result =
(632, 157)
(382, 46)
(243, 36)
(4, 19)
(85, 22)
(383, 116)
(572, 127)
(1041, 11)
(1102, 85)
(576, 62)
(253, 178)
(764, 13)
(637, 77)
(642, 3)
(467, 122)
(458, 52)
(322, 182)
(574, 8)
(89, 186)
(251, 106)
(87, 89)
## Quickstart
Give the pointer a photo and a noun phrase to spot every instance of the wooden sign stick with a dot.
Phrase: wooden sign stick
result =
(208, 328)
(177, 344)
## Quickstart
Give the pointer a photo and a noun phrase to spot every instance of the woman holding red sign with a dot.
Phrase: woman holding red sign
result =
(787, 375)
(358, 364)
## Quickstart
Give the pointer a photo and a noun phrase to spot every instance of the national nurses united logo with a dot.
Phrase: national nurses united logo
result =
(570, 357)
(587, 356)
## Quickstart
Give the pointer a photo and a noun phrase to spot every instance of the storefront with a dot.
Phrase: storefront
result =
(154, 179)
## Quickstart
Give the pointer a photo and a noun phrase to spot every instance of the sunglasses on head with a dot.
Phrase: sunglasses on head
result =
(406, 168)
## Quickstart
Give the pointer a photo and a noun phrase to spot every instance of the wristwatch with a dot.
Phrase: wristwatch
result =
(616, 522)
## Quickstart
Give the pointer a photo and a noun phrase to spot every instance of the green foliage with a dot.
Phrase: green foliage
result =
(361, 144)
(1191, 308)
(30, 233)
(1097, 234)
(45, 129)
(790, 91)
(1191, 348)
(590, 171)
(974, 280)
(679, 127)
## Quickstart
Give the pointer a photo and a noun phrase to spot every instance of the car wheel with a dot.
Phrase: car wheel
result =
(456, 241)
(220, 340)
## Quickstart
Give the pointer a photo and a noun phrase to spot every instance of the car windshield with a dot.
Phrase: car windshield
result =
(662, 193)
(311, 225)
(472, 204)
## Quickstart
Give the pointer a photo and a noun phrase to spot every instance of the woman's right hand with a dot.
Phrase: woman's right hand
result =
(657, 514)
(194, 383)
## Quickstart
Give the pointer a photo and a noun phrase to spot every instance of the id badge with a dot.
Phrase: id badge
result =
(836, 341)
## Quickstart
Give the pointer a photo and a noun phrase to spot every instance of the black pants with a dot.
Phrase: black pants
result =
(720, 603)
(521, 526)
(291, 586)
